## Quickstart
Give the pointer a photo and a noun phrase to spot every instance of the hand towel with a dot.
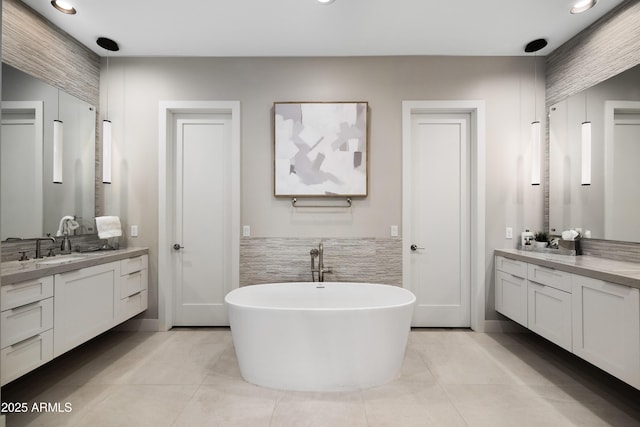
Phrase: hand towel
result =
(108, 226)
(570, 235)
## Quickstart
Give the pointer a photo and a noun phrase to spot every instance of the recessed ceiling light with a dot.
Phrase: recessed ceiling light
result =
(326, 1)
(583, 5)
(63, 7)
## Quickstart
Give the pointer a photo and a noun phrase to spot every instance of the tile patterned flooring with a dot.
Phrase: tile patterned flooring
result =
(190, 377)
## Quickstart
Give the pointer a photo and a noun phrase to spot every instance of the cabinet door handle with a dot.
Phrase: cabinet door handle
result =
(24, 308)
(25, 341)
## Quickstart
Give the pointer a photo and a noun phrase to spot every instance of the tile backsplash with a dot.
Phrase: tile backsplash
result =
(284, 259)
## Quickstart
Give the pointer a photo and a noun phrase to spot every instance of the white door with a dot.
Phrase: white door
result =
(439, 209)
(203, 243)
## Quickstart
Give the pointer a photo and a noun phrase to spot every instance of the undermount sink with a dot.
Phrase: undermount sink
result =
(60, 259)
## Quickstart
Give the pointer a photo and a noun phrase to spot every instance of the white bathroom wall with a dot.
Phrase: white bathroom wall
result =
(136, 85)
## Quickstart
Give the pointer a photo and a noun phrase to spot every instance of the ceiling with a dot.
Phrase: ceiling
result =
(308, 28)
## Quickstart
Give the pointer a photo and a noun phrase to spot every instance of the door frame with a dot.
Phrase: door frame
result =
(166, 141)
(476, 109)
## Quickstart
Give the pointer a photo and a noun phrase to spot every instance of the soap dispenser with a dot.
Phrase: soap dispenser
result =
(65, 248)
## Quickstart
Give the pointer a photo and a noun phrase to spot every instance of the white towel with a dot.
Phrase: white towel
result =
(569, 235)
(108, 226)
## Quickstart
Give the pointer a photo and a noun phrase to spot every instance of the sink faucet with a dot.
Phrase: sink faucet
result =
(38, 240)
(321, 268)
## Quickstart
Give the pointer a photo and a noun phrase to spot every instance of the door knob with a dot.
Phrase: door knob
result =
(414, 247)
(177, 247)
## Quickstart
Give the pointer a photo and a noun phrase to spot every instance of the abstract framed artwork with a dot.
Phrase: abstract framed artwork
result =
(320, 148)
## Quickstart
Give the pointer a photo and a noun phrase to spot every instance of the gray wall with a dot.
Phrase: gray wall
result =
(505, 83)
(136, 85)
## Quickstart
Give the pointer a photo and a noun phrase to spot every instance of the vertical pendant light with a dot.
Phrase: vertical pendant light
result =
(112, 46)
(535, 46)
(586, 147)
(57, 146)
(106, 152)
(535, 155)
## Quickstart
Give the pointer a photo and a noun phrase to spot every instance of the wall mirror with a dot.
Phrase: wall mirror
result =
(32, 205)
(609, 208)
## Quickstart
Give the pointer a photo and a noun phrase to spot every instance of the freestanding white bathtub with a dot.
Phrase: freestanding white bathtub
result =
(297, 336)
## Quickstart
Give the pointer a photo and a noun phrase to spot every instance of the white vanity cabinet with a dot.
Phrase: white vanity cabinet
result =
(511, 289)
(70, 304)
(133, 287)
(606, 326)
(86, 304)
(549, 304)
(27, 322)
(595, 319)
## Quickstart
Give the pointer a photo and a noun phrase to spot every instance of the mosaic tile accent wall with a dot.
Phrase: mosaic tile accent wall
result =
(606, 48)
(611, 249)
(34, 45)
(11, 250)
(372, 260)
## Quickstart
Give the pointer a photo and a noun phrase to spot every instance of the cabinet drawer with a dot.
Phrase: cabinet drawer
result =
(550, 277)
(549, 314)
(511, 297)
(26, 321)
(131, 265)
(17, 294)
(133, 305)
(511, 266)
(133, 283)
(26, 355)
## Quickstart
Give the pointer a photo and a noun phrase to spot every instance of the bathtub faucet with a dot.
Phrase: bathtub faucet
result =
(321, 270)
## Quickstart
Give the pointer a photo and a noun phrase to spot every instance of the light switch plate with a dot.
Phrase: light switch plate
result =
(394, 231)
(246, 231)
(509, 233)
(134, 231)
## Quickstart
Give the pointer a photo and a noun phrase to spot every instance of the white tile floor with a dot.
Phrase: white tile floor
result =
(450, 378)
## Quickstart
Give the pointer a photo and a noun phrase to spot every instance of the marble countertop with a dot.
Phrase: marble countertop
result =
(19, 271)
(620, 272)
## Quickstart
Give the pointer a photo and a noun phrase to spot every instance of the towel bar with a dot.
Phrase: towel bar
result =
(348, 201)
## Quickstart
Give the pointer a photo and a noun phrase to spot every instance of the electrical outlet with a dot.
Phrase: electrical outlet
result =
(394, 231)
(509, 233)
(246, 231)
(134, 231)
